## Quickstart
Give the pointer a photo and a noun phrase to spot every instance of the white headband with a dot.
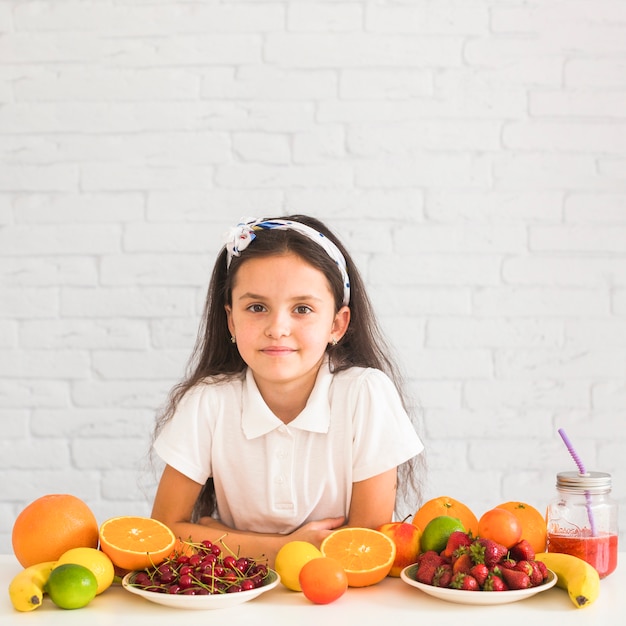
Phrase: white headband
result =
(239, 237)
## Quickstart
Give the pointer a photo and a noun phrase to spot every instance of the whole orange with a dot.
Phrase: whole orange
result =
(52, 525)
(534, 528)
(445, 505)
(500, 526)
(323, 580)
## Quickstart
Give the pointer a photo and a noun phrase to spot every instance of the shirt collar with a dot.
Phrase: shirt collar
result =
(257, 419)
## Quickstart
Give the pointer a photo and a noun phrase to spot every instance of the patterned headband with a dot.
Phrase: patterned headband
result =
(239, 238)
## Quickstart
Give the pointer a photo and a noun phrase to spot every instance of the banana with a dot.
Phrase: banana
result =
(580, 579)
(27, 588)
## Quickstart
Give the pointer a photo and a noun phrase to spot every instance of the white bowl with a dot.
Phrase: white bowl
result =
(211, 601)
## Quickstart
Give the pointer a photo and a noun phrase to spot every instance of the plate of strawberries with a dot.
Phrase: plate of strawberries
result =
(473, 570)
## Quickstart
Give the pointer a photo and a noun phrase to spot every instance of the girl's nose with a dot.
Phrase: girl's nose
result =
(278, 326)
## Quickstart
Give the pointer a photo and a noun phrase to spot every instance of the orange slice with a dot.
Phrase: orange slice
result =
(136, 542)
(366, 555)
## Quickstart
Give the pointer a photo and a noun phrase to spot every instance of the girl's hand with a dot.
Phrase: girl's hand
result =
(315, 532)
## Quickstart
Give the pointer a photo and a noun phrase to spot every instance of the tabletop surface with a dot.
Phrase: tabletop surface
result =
(391, 601)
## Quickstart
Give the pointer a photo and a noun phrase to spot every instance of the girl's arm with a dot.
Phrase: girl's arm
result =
(173, 505)
(373, 500)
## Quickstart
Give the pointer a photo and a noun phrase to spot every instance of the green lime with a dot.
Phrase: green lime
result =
(438, 530)
(71, 586)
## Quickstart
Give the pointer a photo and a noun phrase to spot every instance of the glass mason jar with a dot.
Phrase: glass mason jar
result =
(582, 519)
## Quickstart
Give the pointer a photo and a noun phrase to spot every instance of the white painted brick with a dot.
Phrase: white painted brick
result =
(174, 333)
(51, 454)
(21, 393)
(85, 334)
(78, 208)
(223, 207)
(22, 487)
(127, 302)
(435, 394)
(22, 273)
(580, 103)
(319, 146)
(485, 238)
(120, 394)
(569, 137)
(262, 148)
(608, 73)
(526, 394)
(385, 85)
(149, 19)
(546, 302)
(107, 454)
(105, 423)
(47, 239)
(417, 137)
(415, 300)
(14, 423)
(568, 363)
(608, 208)
(324, 18)
(263, 176)
(146, 269)
(564, 271)
(399, 204)
(609, 396)
(263, 83)
(438, 270)
(494, 206)
(450, 364)
(578, 238)
(23, 303)
(162, 365)
(598, 333)
(123, 492)
(8, 334)
(44, 178)
(497, 333)
(618, 302)
(360, 50)
(162, 238)
(44, 364)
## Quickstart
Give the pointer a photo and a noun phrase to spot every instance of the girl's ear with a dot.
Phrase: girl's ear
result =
(229, 319)
(341, 322)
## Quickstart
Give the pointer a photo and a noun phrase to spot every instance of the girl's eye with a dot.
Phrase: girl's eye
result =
(303, 309)
(256, 308)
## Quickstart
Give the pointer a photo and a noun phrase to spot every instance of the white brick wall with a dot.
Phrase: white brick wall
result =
(471, 153)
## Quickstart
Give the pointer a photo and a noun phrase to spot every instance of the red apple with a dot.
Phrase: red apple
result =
(407, 537)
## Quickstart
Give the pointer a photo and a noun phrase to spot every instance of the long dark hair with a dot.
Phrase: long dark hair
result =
(215, 356)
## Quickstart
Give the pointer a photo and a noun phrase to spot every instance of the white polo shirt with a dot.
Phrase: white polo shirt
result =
(273, 477)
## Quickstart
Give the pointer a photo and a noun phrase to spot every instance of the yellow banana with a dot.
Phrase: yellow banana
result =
(26, 589)
(580, 579)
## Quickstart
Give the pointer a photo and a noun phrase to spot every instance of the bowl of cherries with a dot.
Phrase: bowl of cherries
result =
(202, 575)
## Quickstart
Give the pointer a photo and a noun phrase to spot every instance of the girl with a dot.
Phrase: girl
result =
(288, 424)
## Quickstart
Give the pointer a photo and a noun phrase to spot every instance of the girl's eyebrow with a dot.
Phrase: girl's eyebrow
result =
(255, 296)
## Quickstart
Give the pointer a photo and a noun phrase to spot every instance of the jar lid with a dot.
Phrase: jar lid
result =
(594, 482)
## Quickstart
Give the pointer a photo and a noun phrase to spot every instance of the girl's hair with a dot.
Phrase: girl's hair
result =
(215, 356)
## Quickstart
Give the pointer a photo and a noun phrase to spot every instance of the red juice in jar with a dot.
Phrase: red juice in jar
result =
(600, 551)
(582, 520)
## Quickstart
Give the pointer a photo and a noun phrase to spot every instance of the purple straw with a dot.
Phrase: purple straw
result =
(582, 472)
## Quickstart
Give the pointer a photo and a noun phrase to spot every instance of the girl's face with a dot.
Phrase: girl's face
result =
(283, 317)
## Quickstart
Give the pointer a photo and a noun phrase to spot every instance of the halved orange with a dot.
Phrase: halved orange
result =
(366, 555)
(445, 505)
(136, 542)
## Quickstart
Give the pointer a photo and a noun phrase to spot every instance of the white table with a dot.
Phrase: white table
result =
(389, 602)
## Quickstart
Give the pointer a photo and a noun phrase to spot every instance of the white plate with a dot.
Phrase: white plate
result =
(461, 596)
(214, 601)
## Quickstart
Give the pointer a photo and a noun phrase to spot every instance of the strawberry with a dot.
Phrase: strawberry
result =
(443, 576)
(508, 563)
(522, 551)
(543, 568)
(494, 583)
(457, 541)
(532, 569)
(465, 582)
(480, 572)
(428, 562)
(487, 551)
(462, 564)
(515, 579)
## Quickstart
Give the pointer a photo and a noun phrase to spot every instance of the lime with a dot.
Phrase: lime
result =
(96, 561)
(71, 586)
(291, 558)
(438, 530)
